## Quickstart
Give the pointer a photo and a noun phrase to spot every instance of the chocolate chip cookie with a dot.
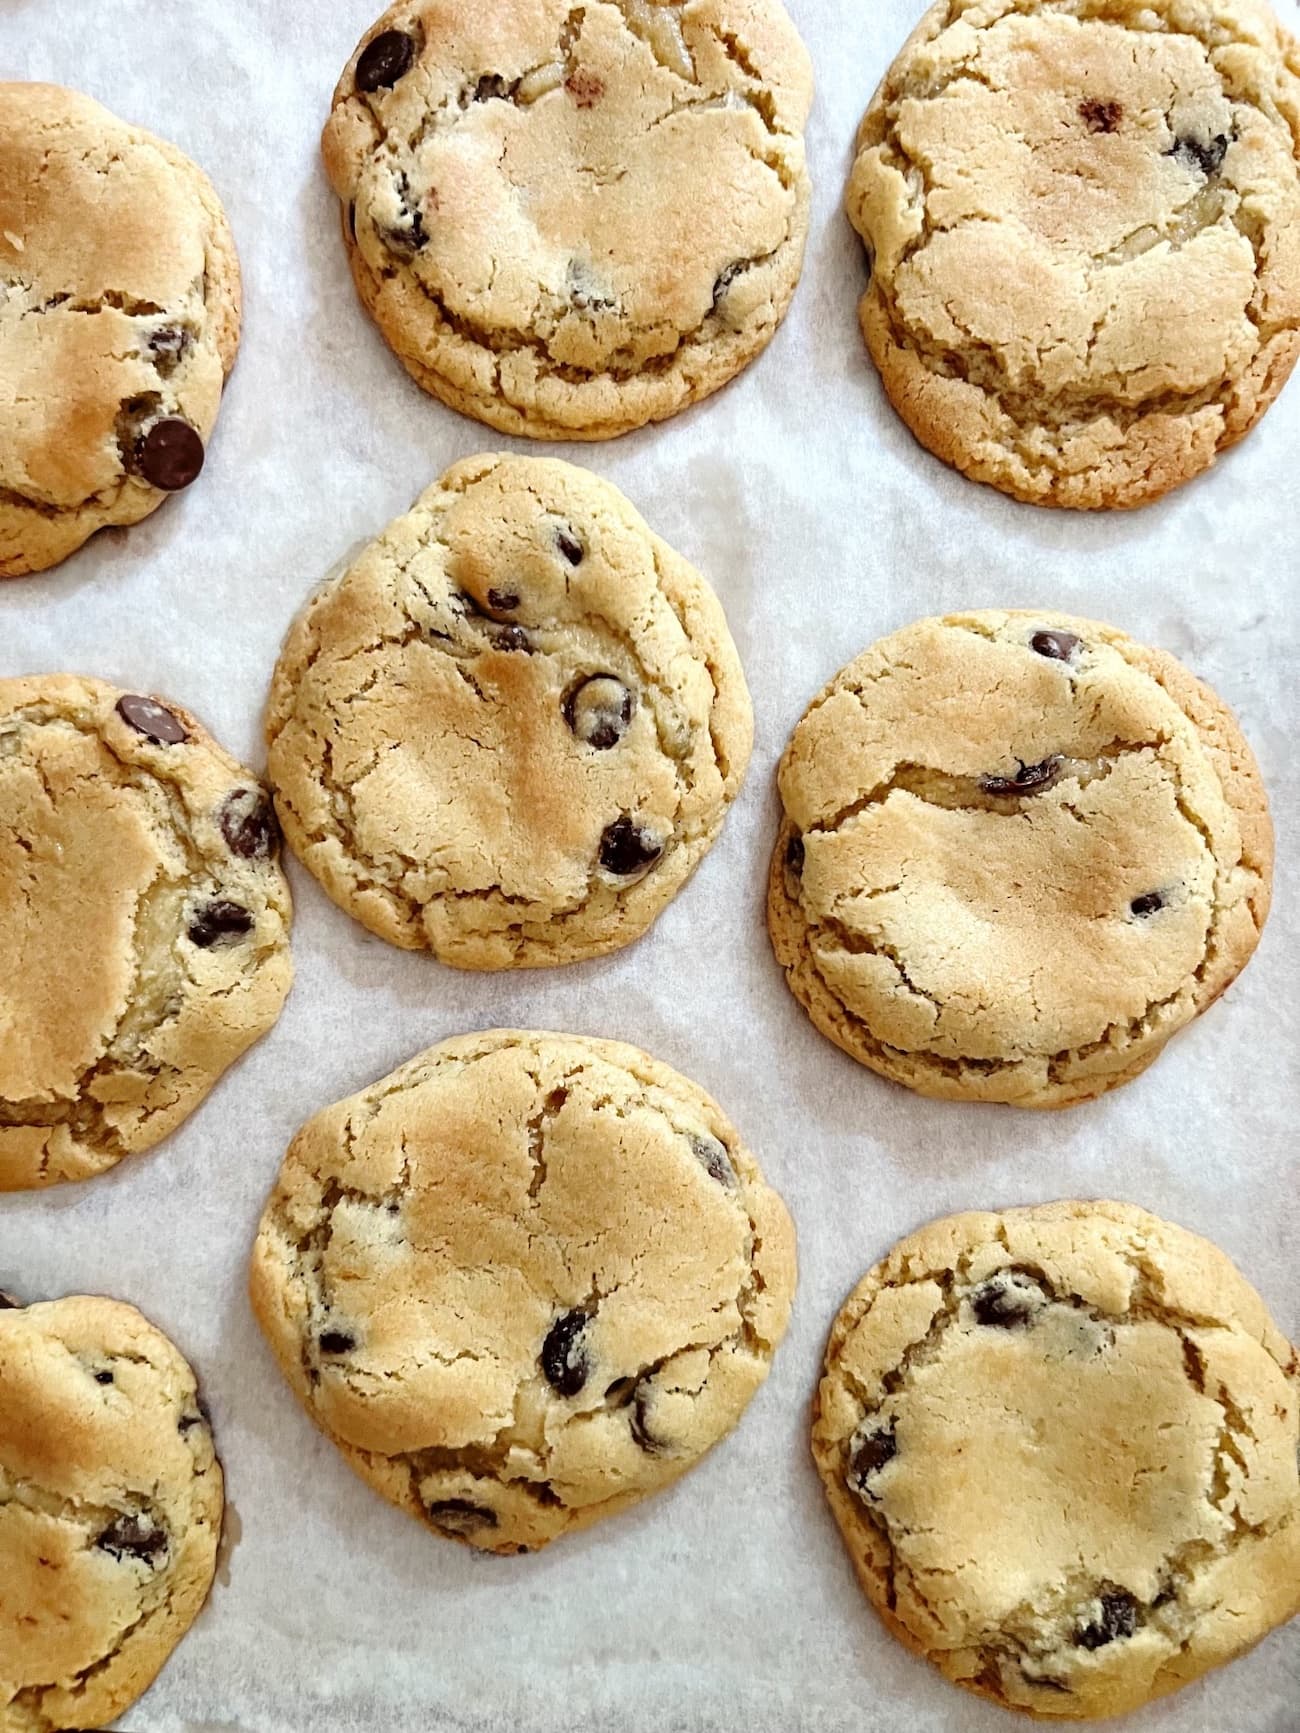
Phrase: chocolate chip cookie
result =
(1083, 218)
(119, 321)
(571, 220)
(110, 1510)
(144, 923)
(1019, 852)
(1060, 1444)
(509, 733)
(523, 1282)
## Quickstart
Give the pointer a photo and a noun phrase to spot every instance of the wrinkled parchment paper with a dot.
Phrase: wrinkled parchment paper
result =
(728, 1603)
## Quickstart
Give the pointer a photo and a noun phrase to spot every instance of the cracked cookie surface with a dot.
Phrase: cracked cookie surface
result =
(1061, 1446)
(144, 923)
(1084, 217)
(523, 1281)
(1019, 852)
(568, 220)
(510, 732)
(119, 321)
(110, 1510)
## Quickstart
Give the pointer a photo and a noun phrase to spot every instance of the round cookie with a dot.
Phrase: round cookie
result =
(569, 221)
(1060, 1444)
(512, 729)
(144, 923)
(1019, 852)
(522, 1282)
(1084, 222)
(118, 324)
(110, 1511)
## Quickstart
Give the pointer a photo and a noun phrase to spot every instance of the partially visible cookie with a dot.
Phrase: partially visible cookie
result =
(510, 732)
(571, 220)
(144, 923)
(119, 321)
(110, 1511)
(1060, 1444)
(524, 1281)
(1019, 851)
(1083, 219)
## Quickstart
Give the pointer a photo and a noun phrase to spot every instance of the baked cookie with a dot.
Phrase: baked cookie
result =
(1019, 852)
(110, 1511)
(119, 321)
(144, 923)
(1084, 217)
(1060, 1444)
(523, 1281)
(571, 220)
(512, 730)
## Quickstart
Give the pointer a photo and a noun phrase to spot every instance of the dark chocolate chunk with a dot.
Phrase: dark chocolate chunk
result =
(137, 1537)
(336, 1341)
(104, 1377)
(570, 547)
(563, 1360)
(216, 921)
(504, 601)
(712, 1156)
(170, 455)
(1147, 903)
(457, 1516)
(1056, 646)
(168, 347)
(1029, 779)
(248, 824)
(152, 719)
(1008, 1300)
(870, 1452)
(599, 711)
(1100, 116)
(627, 850)
(1208, 158)
(1118, 1618)
(384, 60)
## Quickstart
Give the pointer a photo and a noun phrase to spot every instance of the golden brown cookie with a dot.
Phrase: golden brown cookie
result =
(1084, 223)
(511, 731)
(1019, 851)
(1060, 1444)
(523, 1282)
(144, 923)
(571, 220)
(110, 1510)
(119, 321)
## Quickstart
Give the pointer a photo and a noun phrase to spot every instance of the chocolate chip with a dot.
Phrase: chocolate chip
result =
(1147, 903)
(1029, 779)
(599, 711)
(563, 1360)
(409, 235)
(640, 1420)
(336, 1341)
(168, 347)
(722, 282)
(218, 920)
(794, 855)
(869, 1452)
(1008, 1300)
(570, 547)
(457, 1516)
(104, 1377)
(491, 88)
(1100, 116)
(152, 719)
(384, 61)
(626, 850)
(1118, 1618)
(1208, 158)
(512, 638)
(248, 824)
(1056, 646)
(712, 1155)
(137, 1537)
(504, 601)
(170, 455)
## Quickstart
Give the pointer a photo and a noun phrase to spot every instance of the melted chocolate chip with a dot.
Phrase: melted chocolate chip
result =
(168, 347)
(599, 711)
(1147, 903)
(626, 850)
(104, 1377)
(409, 235)
(248, 824)
(570, 547)
(1056, 646)
(457, 1516)
(1118, 1618)
(722, 282)
(504, 601)
(713, 1157)
(794, 854)
(640, 1420)
(563, 1360)
(137, 1537)
(870, 1453)
(1100, 116)
(170, 455)
(1029, 779)
(216, 921)
(152, 719)
(384, 61)
(1008, 1300)
(336, 1341)
(1208, 158)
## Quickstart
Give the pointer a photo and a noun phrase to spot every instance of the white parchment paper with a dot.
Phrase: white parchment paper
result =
(728, 1603)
